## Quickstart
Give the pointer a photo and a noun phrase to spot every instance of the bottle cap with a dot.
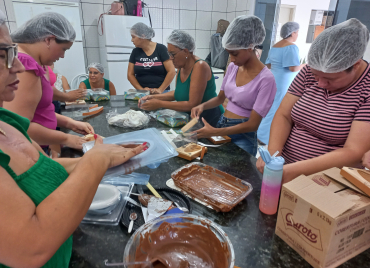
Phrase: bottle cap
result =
(272, 162)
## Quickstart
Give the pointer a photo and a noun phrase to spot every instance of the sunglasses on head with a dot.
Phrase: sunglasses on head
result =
(11, 54)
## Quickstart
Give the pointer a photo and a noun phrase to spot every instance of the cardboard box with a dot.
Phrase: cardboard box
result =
(325, 218)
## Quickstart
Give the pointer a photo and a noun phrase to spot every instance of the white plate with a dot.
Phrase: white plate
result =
(106, 196)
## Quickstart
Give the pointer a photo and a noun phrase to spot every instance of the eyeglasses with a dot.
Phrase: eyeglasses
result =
(11, 54)
(173, 54)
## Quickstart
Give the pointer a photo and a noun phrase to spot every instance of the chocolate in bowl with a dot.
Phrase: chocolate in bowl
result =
(182, 241)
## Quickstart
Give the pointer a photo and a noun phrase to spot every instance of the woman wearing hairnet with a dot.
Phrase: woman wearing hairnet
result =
(248, 85)
(41, 41)
(96, 79)
(195, 82)
(150, 67)
(283, 60)
(324, 119)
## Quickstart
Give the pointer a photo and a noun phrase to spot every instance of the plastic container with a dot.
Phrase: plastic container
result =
(100, 94)
(271, 182)
(159, 149)
(172, 118)
(151, 226)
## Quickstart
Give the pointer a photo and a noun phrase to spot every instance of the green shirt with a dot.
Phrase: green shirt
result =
(38, 182)
(182, 89)
(88, 86)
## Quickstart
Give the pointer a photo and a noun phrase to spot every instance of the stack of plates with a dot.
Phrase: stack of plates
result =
(105, 200)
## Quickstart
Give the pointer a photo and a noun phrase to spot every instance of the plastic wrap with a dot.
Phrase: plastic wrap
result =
(135, 94)
(99, 94)
(131, 119)
(218, 189)
(87, 97)
(172, 118)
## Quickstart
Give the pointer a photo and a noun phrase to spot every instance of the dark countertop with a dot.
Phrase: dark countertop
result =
(250, 231)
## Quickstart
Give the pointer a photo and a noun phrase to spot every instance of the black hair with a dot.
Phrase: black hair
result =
(288, 36)
(348, 70)
(61, 41)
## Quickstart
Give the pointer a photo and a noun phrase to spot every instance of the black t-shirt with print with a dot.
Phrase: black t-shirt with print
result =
(149, 70)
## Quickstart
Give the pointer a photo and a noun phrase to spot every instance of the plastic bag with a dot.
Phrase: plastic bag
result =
(87, 96)
(135, 94)
(172, 118)
(131, 118)
(99, 94)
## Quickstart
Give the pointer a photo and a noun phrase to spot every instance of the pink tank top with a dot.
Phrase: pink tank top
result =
(45, 110)
(52, 76)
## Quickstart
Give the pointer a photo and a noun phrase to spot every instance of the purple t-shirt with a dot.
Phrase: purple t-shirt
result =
(45, 110)
(257, 95)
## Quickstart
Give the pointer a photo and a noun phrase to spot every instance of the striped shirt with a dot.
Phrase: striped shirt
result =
(322, 120)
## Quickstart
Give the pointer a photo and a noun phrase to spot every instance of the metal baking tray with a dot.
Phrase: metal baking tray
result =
(216, 188)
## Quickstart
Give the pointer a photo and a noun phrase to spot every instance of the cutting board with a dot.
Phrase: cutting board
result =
(359, 177)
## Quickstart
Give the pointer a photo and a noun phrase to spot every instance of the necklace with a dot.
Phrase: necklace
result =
(3, 132)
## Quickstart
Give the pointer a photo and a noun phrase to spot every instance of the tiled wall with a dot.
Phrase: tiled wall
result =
(198, 17)
(7, 7)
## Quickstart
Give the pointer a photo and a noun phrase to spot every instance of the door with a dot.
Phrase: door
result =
(286, 14)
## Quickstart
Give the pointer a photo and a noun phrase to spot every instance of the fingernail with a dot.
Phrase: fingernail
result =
(95, 136)
(145, 143)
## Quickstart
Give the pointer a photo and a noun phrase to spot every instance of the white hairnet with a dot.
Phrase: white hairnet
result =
(42, 26)
(142, 31)
(288, 28)
(97, 66)
(338, 47)
(244, 32)
(182, 40)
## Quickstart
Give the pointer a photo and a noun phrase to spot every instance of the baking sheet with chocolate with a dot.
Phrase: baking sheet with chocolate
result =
(216, 188)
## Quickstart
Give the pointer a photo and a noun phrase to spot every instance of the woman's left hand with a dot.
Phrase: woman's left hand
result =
(207, 131)
(155, 91)
(151, 104)
(81, 127)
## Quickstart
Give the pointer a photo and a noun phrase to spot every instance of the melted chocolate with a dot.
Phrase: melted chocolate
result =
(182, 245)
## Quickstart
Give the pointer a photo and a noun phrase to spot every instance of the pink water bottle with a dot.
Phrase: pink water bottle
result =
(139, 10)
(271, 182)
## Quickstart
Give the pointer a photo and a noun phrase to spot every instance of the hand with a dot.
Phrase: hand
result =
(207, 131)
(151, 104)
(366, 160)
(80, 127)
(197, 111)
(146, 88)
(260, 164)
(143, 99)
(116, 154)
(155, 91)
(76, 94)
(74, 141)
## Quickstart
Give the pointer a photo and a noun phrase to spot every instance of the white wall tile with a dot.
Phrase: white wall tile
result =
(9, 10)
(188, 4)
(231, 5)
(12, 26)
(230, 16)
(106, 8)
(171, 19)
(2, 7)
(202, 53)
(166, 33)
(216, 16)
(91, 13)
(92, 55)
(173, 4)
(241, 5)
(220, 5)
(204, 20)
(187, 19)
(91, 38)
(158, 36)
(157, 17)
(192, 33)
(240, 13)
(251, 5)
(202, 38)
(93, 1)
(205, 5)
(154, 3)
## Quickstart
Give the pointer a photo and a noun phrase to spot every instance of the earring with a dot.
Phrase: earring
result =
(186, 57)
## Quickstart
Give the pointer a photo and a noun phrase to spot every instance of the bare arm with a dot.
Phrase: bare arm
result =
(65, 84)
(27, 97)
(296, 68)
(168, 65)
(59, 95)
(82, 85)
(268, 65)
(131, 76)
(357, 144)
(112, 89)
